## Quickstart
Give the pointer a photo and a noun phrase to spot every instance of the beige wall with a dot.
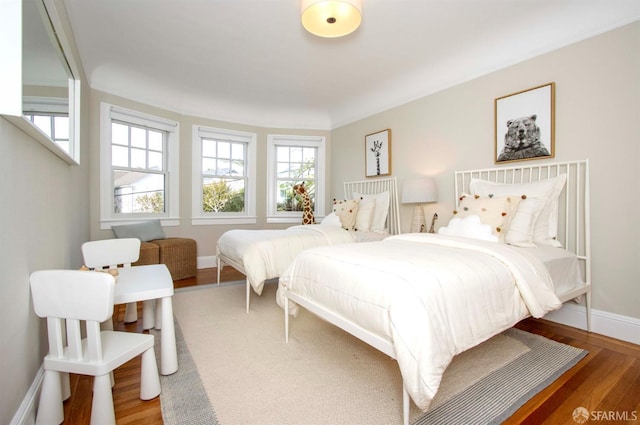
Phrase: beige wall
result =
(44, 220)
(597, 115)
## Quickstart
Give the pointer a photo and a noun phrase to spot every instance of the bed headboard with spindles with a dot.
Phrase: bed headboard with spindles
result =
(373, 187)
(573, 206)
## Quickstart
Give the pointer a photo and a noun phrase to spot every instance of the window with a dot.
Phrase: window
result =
(51, 115)
(292, 160)
(139, 167)
(224, 176)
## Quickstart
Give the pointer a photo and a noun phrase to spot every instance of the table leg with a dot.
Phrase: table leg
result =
(148, 314)
(168, 350)
(158, 306)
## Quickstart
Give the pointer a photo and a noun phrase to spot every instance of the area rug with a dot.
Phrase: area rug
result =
(235, 368)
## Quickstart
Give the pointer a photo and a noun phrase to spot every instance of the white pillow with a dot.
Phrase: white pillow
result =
(545, 230)
(469, 227)
(331, 220)
(380, 212)
(521, 228)
(364, 217)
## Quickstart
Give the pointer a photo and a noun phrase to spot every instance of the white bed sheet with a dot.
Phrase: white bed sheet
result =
(266, 254)
(431, 297)
(562, 265)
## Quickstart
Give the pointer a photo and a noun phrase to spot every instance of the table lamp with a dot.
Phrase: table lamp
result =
(419, 191)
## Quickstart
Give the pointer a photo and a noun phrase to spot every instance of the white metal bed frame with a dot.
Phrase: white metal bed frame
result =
(574, 226)
(574, 204)
(368, 187)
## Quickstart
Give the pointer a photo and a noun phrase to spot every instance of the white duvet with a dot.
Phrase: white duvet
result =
(266, 254)
(431, 296)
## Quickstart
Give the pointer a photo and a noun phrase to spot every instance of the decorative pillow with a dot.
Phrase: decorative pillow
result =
(495, 212)
(380, 212)
(469, 227)
(145, 231)
(545, 229)
(347, 210)
(364, 216)
(331, 220)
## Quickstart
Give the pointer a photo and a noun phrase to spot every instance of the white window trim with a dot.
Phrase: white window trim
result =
(274, 140)
(107, 218)
(200, 218)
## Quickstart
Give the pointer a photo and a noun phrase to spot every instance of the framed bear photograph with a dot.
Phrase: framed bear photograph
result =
(525, 125)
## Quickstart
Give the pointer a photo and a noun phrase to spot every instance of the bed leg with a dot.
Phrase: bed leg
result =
(405, 405)
(286, 318)
(248, 295)
(588, 308)
(218, 259)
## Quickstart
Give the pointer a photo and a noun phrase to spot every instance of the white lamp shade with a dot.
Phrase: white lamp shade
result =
(331, 18)
(418, 191)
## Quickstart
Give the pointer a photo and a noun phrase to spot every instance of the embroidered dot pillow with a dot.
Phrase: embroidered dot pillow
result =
(347, 210)
(494, 211)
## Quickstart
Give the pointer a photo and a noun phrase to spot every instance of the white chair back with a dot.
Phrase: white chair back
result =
(111, 252)
(73, 294)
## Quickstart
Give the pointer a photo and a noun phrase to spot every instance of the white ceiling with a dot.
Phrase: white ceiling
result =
(251, 61)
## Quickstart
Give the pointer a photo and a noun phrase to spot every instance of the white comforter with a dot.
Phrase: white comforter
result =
(430, 296)
(266, 254)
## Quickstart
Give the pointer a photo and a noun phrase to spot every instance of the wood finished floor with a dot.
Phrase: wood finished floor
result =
(606, 380)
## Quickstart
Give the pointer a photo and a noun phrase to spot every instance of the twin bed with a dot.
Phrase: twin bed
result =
(423, 298)
(262, 255)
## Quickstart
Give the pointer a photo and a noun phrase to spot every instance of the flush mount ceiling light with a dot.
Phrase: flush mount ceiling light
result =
(331, 18)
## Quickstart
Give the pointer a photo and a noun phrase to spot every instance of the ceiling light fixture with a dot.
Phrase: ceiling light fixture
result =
(331, 18)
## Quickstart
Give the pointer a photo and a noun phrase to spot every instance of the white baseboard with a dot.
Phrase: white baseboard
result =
(602, 322)
(26, 413)
(207, 262)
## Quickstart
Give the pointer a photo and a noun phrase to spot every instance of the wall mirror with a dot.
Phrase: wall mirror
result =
(50, 98)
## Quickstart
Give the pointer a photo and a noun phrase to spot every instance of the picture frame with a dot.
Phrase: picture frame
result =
(377, 153)
(525, 125)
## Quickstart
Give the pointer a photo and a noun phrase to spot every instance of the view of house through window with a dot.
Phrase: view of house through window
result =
(138, 163)
(294, 165)
(224, 176)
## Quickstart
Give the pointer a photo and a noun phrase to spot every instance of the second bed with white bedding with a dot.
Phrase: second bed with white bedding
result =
(421, 299)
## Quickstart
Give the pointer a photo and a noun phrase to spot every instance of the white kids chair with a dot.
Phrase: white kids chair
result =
(73, 296)
(111, 253)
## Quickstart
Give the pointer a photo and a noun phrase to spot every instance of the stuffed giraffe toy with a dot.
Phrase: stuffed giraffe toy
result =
(307, 212)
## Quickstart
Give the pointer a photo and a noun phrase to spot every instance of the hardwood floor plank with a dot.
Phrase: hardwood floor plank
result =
(608, 378)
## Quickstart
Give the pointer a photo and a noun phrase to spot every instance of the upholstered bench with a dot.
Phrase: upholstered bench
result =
(179, 254)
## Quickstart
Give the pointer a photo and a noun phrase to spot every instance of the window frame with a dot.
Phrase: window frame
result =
(171, 216)
(248, 216)
(275, 140)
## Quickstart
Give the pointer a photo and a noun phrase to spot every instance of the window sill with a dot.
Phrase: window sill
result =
(35, 133)
(206, 221)
(165, 222)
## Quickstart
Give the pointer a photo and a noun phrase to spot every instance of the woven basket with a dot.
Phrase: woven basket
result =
(179, 255)
(149, 254)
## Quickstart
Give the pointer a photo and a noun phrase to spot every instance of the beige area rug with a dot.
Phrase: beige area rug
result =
(235, 368)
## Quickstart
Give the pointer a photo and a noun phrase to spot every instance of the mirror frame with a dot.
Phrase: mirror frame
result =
(56, 29)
